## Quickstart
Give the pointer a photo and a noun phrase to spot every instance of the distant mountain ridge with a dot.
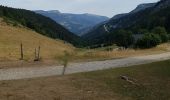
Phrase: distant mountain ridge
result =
(143, 7)
(76, 23)
(137, 9)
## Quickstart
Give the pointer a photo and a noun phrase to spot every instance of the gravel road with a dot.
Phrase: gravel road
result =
(33, 72)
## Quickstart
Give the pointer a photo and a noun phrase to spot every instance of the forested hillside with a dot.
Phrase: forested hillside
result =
(141, 22)
(39, 23)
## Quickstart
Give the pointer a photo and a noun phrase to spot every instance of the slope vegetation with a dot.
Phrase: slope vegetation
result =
(39, 23)
(147, 18)
(11, 38)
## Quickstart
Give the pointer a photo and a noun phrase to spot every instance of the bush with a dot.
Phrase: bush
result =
(124, 38)
(161, 31)
(168, 36)
(149, 40)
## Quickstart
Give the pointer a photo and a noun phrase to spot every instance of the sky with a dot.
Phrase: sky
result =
(99, 7)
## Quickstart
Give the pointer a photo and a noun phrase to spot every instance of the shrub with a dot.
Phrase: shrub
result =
(161, 31)
(124, 38)
(149, 40)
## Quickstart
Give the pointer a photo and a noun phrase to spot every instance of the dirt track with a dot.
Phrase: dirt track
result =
(32, 72)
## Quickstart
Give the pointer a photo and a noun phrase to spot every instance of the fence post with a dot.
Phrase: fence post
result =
(35, 54)
(39, 53)
(22, 55)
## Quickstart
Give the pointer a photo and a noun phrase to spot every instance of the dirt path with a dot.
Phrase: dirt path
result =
(32, 72)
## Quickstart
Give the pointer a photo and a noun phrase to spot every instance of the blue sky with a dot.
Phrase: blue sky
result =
(101, 7)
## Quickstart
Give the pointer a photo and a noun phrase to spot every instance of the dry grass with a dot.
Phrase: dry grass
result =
(52, 50)
(11, 38)
(101, 54)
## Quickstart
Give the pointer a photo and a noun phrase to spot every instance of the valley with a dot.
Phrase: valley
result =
(50, 55)
(52, 50)
(77, 23)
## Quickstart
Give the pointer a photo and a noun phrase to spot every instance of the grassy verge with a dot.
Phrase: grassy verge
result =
(103, 53)
(152, 83)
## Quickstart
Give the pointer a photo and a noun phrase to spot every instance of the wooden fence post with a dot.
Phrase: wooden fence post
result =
(22, 55)
(35, 54)
(39, 53)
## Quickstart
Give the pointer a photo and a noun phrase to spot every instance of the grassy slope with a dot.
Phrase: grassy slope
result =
(154, 80)
(41, 24)
(11, 37)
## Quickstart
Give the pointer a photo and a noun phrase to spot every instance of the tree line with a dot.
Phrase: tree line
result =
(127, 39)
(147, 39)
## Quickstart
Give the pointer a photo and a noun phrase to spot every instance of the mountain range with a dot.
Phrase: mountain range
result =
(76, 23)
